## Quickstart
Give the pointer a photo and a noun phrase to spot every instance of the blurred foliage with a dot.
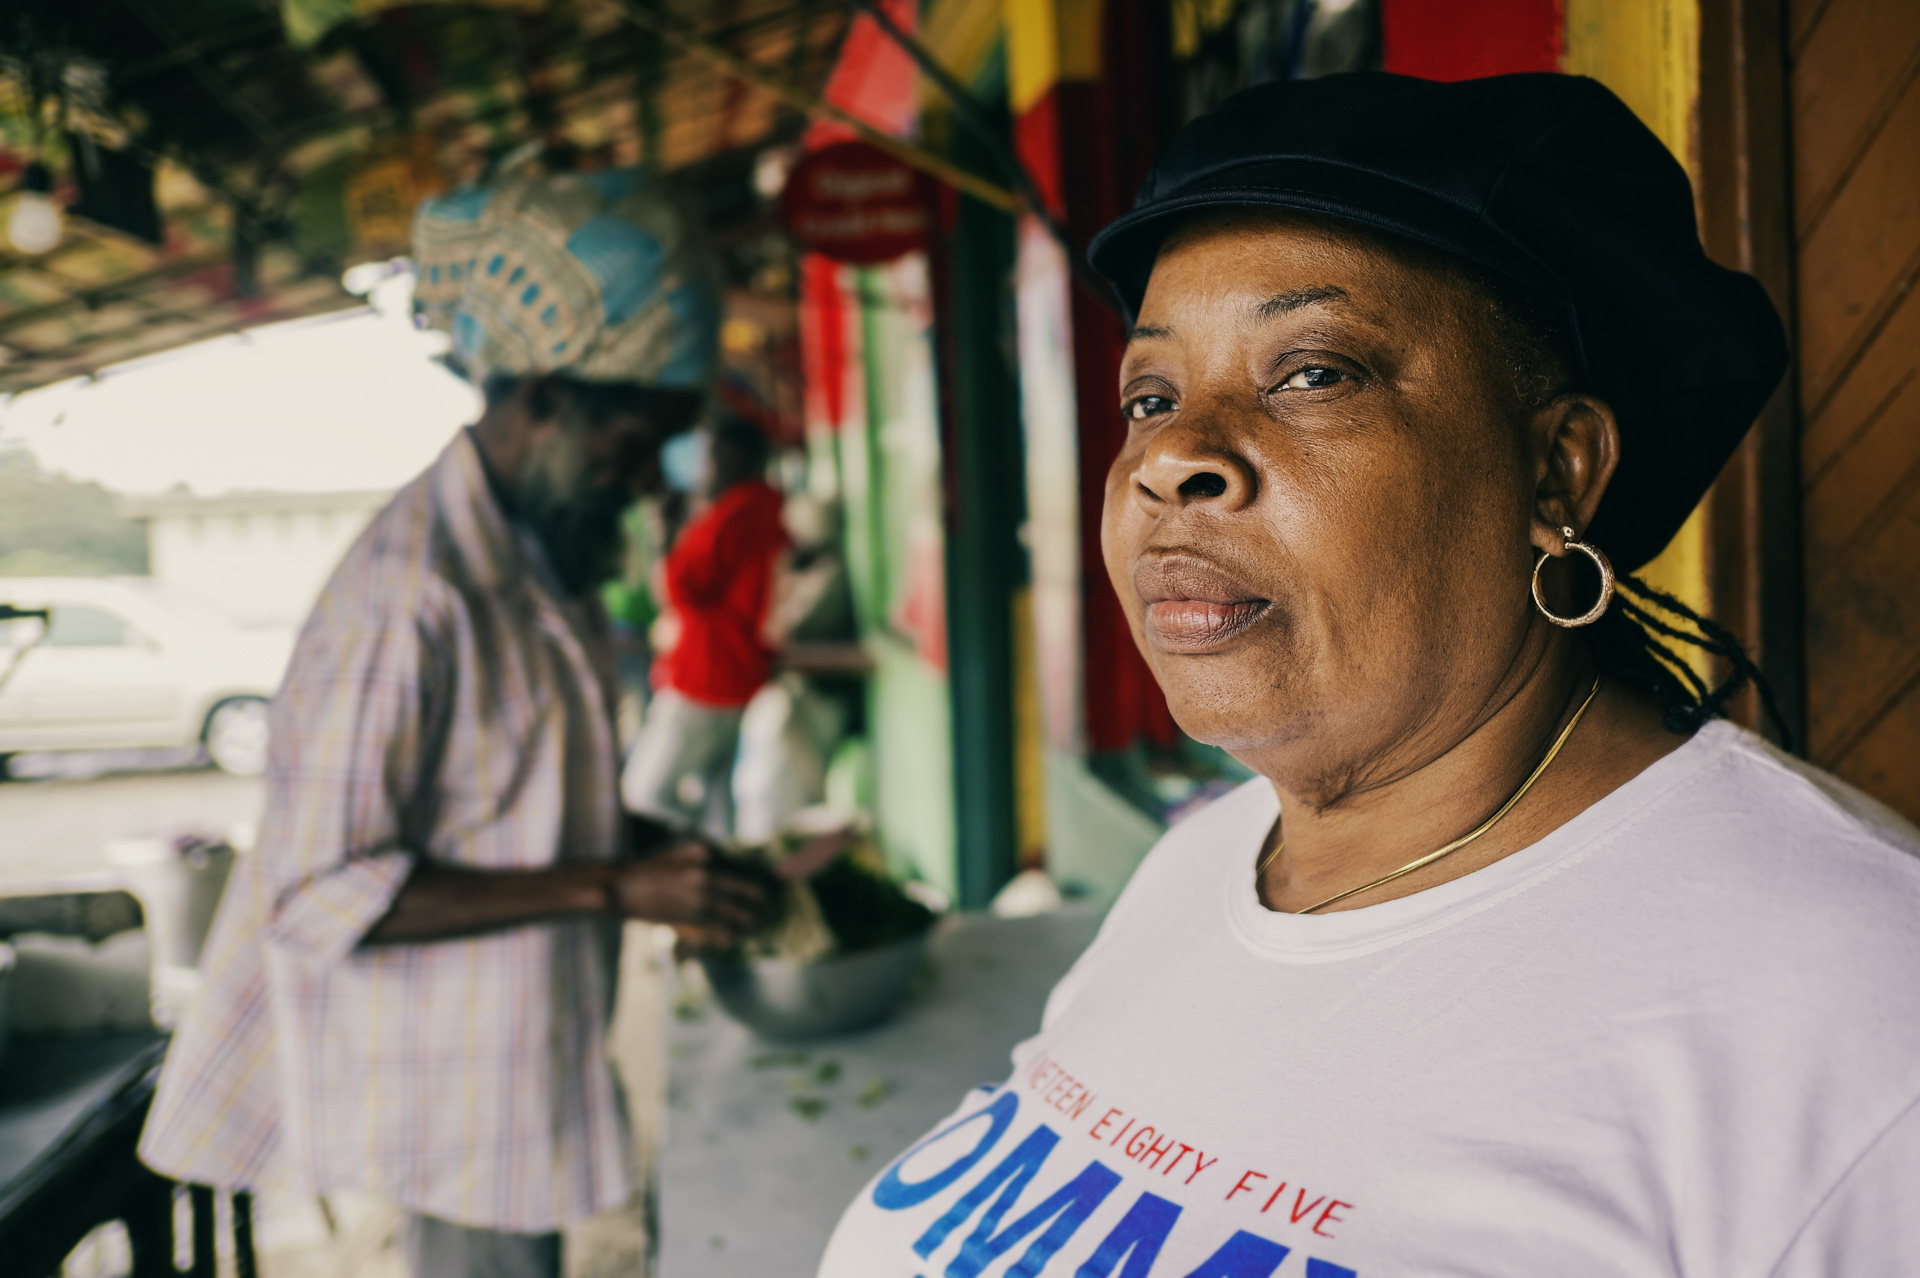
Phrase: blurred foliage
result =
(52, 526)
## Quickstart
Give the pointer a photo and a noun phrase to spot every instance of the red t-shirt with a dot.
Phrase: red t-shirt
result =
(719, 578)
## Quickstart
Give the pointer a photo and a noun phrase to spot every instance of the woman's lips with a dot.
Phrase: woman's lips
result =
(1193, 606)
(1196, 625)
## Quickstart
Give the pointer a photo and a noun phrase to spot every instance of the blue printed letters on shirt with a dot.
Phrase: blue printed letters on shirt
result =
(1067, 1208)
(1138, 1237)
(894, 1192)
(1244, 1255)
(1014, 1171)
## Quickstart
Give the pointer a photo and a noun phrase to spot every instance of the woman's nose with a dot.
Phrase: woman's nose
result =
(1183, 467)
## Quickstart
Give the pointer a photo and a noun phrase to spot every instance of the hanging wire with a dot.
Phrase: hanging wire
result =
(683, 34)
(211, 81)
(967, 110)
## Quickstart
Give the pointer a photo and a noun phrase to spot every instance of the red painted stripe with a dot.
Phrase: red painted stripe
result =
(1461, 39)
(823, 340)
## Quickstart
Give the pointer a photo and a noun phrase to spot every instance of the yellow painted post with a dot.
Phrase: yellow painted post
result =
(1035, 53)
(1029, 754)
(1648, 52)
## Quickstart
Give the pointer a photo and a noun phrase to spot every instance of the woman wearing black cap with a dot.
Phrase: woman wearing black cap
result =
(1517, 960)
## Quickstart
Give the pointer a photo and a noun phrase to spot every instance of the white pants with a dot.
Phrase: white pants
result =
(787, 734)
(681, 768)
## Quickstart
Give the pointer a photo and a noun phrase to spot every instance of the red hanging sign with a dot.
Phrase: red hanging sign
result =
(855, 203)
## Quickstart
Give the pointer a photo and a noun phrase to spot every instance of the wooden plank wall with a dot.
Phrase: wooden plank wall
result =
(1855, 108)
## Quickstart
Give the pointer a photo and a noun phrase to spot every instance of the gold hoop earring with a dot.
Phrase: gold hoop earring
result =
(1600, 561)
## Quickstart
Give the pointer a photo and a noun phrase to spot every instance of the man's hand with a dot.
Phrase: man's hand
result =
(691, 887)
(699, 891)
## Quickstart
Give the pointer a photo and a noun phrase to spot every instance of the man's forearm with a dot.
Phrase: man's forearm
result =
(441, 902)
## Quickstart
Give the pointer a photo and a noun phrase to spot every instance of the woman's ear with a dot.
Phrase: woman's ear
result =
(1578, 439)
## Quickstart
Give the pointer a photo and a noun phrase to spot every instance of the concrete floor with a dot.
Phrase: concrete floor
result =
(767, 1143)
(55, 829)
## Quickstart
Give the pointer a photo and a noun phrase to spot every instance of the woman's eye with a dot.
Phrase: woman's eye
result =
(1148, 406)
(1314, 378)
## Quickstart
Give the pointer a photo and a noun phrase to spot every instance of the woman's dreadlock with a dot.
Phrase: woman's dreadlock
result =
(1627, 642)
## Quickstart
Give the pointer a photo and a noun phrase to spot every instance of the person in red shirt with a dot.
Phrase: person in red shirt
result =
(718, 582)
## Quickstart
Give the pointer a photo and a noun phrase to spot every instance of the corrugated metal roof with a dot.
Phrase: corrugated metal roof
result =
(273, 166)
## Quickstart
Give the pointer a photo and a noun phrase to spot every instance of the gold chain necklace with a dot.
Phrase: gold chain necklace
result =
(1464, 839)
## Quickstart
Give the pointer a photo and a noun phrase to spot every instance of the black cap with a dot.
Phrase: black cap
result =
(1548, 181)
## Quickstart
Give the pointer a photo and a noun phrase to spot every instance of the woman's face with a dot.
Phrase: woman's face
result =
(1320, 523)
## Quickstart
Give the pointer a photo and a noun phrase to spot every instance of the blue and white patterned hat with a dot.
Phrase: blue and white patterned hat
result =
(596, 275)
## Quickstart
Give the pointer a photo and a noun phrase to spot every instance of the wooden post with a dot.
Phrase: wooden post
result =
(1744, 195)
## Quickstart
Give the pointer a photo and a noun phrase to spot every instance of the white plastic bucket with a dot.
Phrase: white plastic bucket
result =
(178, 890)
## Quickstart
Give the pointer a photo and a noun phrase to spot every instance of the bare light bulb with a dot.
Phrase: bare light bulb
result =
(36, 223)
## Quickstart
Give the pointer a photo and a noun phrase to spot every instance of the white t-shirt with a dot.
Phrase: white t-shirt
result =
(1680, 1035)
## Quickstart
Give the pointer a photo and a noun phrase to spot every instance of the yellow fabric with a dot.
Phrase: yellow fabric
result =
(961, 34)
(1194, 19)
(1049, 41)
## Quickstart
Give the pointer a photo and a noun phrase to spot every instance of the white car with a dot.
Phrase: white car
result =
(126, 663)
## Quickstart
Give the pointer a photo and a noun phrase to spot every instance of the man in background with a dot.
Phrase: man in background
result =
(407, 985)
(718, 580)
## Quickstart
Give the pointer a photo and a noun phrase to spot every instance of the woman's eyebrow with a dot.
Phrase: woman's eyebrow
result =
(1277, 305)
(1283, 303)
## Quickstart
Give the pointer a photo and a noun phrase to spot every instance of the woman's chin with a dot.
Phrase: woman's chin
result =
(1229, 699)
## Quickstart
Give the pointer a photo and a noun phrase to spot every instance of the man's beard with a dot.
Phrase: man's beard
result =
(577, 522)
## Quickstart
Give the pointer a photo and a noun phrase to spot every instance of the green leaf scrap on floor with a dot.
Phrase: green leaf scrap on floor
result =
(808, 1107)
(875, 1091)
(777, 1060)
(826, 1072)
(857, 1153)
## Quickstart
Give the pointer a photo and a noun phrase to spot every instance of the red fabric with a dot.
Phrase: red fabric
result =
(1036, 141)
(873, 80)
(1461, 39)
(719, 577)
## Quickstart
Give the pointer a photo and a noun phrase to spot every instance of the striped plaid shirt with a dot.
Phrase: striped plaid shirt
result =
(442, 702)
